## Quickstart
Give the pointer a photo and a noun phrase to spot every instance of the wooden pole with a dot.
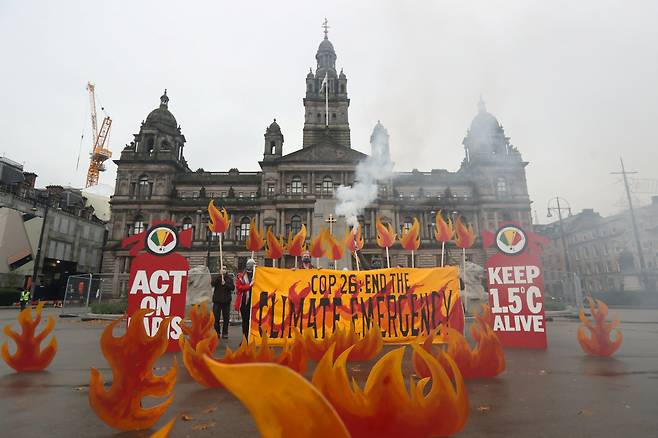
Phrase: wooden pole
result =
(443, 247)
(388, 261)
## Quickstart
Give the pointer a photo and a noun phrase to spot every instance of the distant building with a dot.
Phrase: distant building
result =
(154, 182)
(602, 250)
(72, 238)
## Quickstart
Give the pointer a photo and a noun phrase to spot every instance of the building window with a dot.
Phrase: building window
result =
(333, 116)
(318, 188)
(296, 185)
(223, 194)
(240, 194)
(139, 225)
(501, 187)
(270, 189)
(243, 232)
(252, 194)
(144, 187)
(305, 188)
(187, 223)
(406, 226)
(327, 185)
(295, 224)
(272, 147)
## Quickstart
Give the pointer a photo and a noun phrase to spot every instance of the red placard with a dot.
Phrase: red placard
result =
(516, 286)
(158, 277)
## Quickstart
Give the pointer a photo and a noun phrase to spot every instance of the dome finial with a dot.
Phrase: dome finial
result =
(481, 106)
(325, 25)
(164, 100)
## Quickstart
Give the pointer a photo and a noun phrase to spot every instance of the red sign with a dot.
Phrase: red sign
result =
(158, 277)
(516, 286)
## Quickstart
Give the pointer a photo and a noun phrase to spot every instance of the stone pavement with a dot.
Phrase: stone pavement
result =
(556, 393)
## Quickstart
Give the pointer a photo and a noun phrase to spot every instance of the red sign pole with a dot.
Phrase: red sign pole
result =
(516, 287)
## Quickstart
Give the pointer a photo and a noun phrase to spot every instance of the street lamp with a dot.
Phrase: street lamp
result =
(558, 204)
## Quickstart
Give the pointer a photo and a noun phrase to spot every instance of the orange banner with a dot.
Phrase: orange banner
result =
(403, 302)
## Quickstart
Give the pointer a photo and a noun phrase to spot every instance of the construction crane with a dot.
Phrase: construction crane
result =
(100, 139)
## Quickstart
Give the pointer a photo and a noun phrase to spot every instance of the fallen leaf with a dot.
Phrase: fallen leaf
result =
(586, 412)
(203, 426)
(484, 408)
(186, 417)
(209, 410)
(79, 388)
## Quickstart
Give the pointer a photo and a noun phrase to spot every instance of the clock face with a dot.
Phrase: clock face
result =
(161, 240)
(511, 240)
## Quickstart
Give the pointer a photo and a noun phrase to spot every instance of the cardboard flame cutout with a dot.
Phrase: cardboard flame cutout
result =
(354, 239)
(275, 246)
(335, 250)
(486, 360)
(256, 240)
(316, 248)
(599, 343)
(202, 326)
(219, 220)
(282, 403)
(297, 244)
(29, 356)
(165, 430)
(410, 239)
(361, 349)
(443, 230)
(385, 408)
(132, 357)
(385, 234)
(196, 359)
(464, 234)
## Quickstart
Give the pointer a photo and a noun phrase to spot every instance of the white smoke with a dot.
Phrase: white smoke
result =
(378, 166)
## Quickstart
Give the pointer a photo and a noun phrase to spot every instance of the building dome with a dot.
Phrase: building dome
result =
(274, 127)
(161, 116)
(326, 46)
(484, 124)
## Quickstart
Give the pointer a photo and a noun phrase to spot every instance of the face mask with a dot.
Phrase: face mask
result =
(306, 260)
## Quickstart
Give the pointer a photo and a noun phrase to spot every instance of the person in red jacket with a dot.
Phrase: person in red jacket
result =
(243, 284)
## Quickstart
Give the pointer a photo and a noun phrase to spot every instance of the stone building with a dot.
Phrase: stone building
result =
(602, 251)
(295, 187)
(72, 236)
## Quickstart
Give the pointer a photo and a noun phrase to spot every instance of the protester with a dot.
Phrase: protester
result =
(24, 298)
(306, 261)
(221, 301)
(243, 284)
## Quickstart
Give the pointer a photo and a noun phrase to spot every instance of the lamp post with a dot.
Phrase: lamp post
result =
(558, 204)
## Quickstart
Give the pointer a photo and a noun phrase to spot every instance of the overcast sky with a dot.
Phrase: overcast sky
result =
(574, 84)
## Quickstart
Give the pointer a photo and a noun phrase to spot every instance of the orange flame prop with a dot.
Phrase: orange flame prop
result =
(255, 241)
(29, 356)
(202, 326)
(292, 356)
(335, 250)
(354, 239)
(297, 245)
(275, 246)
(362, 349)
(278, 398)
(444, 230)
(132, 357)
(600, 342)
(166, 429)
(219, 220)
(385, 407)
(464, 235)
(316, 248)
(385, 234)
(410, 239)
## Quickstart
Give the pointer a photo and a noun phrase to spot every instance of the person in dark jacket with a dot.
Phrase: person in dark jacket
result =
(221, 301)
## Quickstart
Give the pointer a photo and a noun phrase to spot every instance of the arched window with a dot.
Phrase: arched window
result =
(187, 223)
(327, 185)
(243, 232)
(144, 187)
(295, 224)
(272, 147)
(501, 187)
(150, 144)
(138, 225)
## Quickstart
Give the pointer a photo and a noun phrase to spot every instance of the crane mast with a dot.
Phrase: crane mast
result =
(100, 149)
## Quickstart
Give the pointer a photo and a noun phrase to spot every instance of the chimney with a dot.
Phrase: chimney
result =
(30, 179)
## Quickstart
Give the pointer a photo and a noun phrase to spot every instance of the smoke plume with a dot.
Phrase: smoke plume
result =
(378, 166)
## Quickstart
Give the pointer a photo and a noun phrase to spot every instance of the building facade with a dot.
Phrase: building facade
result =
(154, 181)
(602, 251)
(71, 235)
